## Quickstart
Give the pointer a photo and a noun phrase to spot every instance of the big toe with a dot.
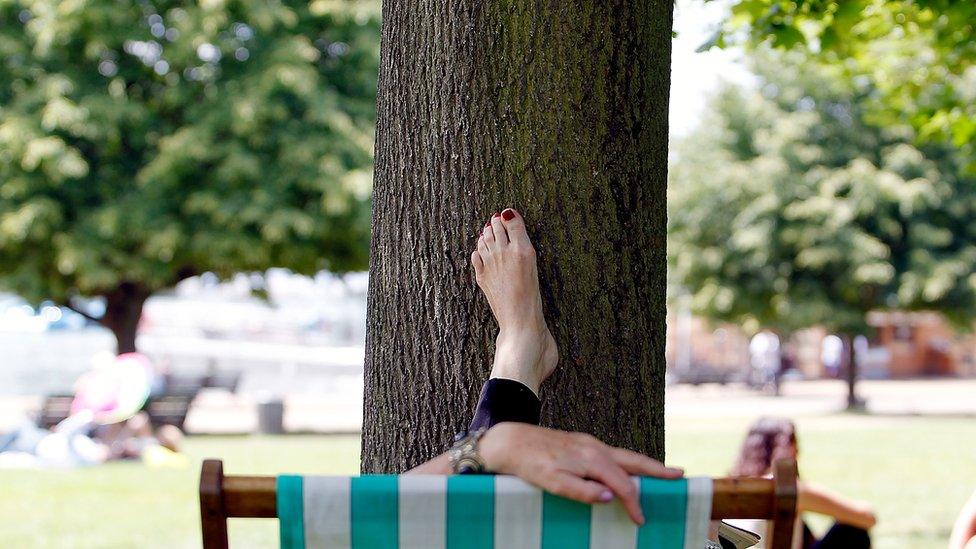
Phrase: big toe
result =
(514, 225)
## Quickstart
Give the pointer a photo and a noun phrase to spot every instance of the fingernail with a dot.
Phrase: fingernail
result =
(508, 214)
(606, 496)
(641, 520)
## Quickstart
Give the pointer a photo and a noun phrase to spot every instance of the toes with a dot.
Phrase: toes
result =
(514, 226)
(483, 248)
(488, 235)
(492, 239)
(477, 262)
(501, 235)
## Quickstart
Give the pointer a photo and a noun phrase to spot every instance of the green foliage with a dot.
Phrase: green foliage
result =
(918, 54)
(144, 141)
(788, 208)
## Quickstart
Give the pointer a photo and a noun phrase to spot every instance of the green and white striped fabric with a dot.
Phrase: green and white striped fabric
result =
(482, 512)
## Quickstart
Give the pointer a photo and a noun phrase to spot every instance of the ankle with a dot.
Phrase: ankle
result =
(516, 374)
(520, 335)
(516, 359)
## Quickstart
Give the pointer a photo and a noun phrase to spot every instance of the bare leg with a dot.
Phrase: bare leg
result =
(505, 268)
(525, 351)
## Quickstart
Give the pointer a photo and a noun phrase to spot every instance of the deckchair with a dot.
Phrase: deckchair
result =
(475, 511)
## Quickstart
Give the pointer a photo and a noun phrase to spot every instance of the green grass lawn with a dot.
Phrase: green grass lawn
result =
(916, 471)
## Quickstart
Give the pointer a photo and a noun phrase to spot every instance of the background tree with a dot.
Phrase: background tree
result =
(789, 209)
(918, 55)
(145, 142)
(560, 110)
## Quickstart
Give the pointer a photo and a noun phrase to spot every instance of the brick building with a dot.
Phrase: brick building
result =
(904, 345)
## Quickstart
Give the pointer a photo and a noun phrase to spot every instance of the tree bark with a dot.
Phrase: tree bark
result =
(853, 402)
(558, 109)
(123, 309)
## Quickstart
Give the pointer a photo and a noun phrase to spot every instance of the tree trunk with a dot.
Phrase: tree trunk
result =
(853, 402)
(123, 309)
(558, 109)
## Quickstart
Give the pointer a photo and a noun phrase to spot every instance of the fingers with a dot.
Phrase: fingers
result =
(639, 464)
(607, 472)
(573, 487)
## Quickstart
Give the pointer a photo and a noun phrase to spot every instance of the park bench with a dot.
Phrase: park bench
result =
(169, 408)
(331, 502)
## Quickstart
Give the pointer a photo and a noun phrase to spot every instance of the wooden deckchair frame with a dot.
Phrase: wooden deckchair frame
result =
(223, 497)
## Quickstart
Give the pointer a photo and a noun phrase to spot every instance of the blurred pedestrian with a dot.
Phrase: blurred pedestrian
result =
(832, 355)
(765, 359)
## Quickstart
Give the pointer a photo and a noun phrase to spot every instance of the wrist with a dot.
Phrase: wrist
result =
(494, 447)
(465, 454)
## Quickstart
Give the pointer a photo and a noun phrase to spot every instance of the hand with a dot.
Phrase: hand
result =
(572, 465)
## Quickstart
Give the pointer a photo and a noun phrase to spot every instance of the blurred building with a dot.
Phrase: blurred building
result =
(923, 344)
(903, 345)
(699, 351)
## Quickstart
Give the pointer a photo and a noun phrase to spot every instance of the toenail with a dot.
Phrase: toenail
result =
(487, 224)
(496, 215)
(508, 214)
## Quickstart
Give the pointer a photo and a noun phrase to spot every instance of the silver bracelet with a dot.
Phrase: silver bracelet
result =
(464, 456)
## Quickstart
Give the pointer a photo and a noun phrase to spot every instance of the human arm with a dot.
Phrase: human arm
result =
(965, 527)
(817, 499)
(440, 465)
(573, 465)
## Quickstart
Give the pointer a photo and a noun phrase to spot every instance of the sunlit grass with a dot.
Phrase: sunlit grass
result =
(128, 505)
(916, 471)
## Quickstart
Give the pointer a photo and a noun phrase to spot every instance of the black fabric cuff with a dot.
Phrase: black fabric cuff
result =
(506, 400)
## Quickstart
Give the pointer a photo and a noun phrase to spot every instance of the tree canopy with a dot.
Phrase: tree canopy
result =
(144, 142)
(790, 208)
(918, 55)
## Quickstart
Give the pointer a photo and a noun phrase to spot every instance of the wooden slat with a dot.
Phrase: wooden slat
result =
(213, 515)
(743, 498)
(223, 497)
(784, 500)
(254, 497)
(250, 497)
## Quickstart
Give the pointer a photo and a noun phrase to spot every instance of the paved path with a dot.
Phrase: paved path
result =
(340, 410)
(903, 397)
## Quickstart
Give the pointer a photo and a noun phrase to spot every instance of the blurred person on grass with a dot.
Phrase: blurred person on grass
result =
(772, 439)
(106, 422)
(80, 441)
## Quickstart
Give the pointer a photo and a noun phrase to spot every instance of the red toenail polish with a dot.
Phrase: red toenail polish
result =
(496, 215)
(508, 215)
(488, 224)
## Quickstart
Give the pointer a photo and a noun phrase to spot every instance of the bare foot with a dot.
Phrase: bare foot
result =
(505, 268)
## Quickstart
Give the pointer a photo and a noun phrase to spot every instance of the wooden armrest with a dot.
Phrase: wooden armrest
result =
(223, 497)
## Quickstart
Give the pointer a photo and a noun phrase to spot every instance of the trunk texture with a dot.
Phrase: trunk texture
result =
(853, 402)
(558, 109)
(123, 309)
